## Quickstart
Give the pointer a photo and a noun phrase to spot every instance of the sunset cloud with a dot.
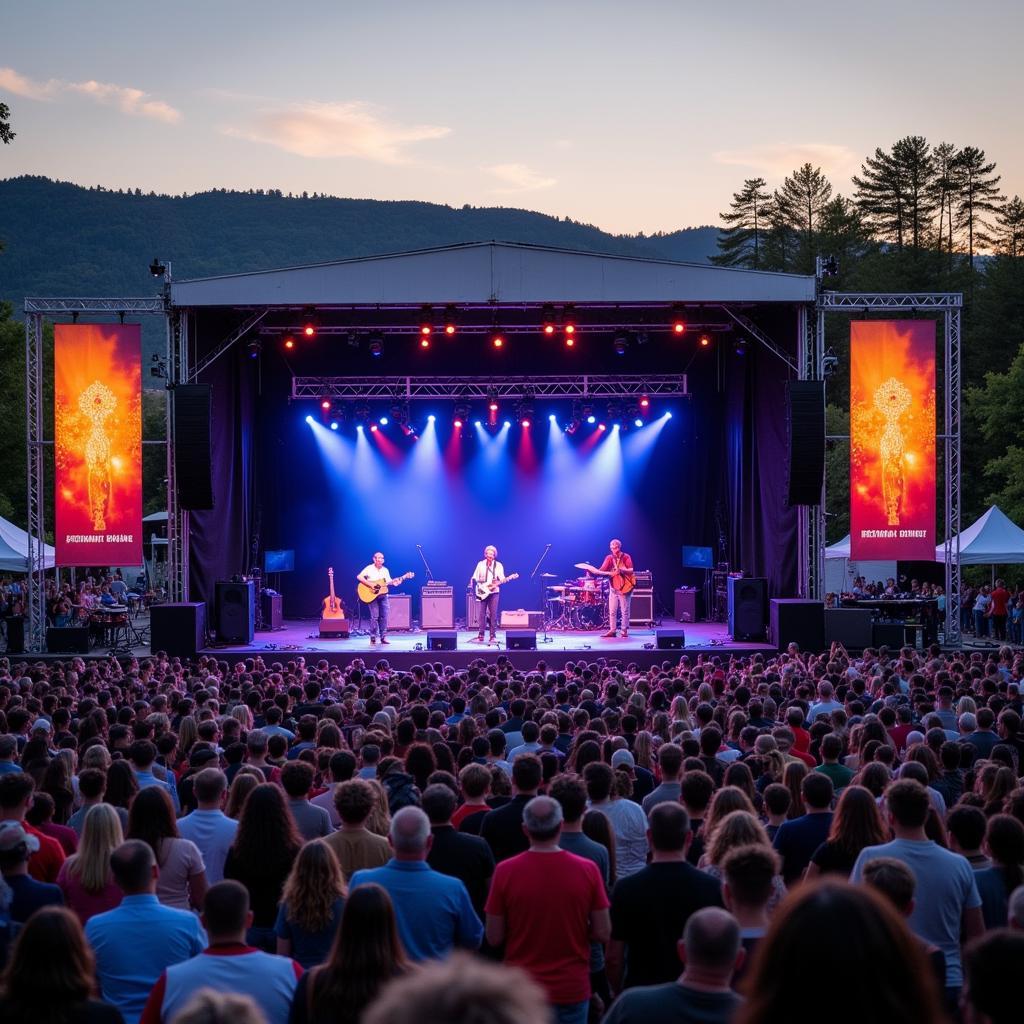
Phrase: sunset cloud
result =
(128, 100)
(776, 160)
(331, 130)
(518, 178)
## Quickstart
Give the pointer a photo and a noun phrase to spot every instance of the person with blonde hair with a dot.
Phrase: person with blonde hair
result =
(311, 904)
(85, 878)
(210, 1007)
(739, 828)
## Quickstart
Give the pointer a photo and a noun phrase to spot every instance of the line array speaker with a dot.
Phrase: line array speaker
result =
(192, 463)
(805, 467)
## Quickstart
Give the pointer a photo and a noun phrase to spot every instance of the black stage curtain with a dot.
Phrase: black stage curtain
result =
(219, 539)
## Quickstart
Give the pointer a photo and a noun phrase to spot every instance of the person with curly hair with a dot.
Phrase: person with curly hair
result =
(311, 905)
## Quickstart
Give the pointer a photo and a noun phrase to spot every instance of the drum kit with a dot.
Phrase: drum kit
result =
(578, 604)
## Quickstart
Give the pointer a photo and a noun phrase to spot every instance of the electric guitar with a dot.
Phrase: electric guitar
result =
(484, 590)
(332, 607)
(369, 592)
(623, 580)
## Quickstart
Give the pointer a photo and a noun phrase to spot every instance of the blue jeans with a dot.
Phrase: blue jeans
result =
(379, 616)
(617, 601)
(980, 624)
(571, 1013)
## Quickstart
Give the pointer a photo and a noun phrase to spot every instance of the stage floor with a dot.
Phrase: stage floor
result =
(408, 648)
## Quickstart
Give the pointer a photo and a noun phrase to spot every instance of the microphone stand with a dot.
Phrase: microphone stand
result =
(543, 603)
(426, 565)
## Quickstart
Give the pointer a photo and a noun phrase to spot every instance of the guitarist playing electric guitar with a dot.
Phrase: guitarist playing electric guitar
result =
(619, 566)
(487, 578)
(373, 582)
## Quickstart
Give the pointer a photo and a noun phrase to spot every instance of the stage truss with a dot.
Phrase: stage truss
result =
(411, 389)
(949, 304)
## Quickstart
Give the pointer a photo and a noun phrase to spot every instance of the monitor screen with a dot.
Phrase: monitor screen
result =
(696, 558)
(278, 561)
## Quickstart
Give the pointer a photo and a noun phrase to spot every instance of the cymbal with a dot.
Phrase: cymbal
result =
(581, 565)
(547, 576)
(556, 588)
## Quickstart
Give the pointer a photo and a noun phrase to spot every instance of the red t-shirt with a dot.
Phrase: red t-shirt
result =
(608, 565)
(464, 811)
(546, 900)
(44, 864)
(999, 598)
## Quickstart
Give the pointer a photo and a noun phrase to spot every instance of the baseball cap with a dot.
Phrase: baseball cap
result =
(13, 834)
(623, 757)
(41, 725)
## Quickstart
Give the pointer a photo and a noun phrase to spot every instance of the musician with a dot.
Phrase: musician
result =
(618, 564)
(377, 572)
(488, 570)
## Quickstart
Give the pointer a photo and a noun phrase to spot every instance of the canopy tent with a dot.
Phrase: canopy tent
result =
(991, 540)
(840, 572)
(14, 549)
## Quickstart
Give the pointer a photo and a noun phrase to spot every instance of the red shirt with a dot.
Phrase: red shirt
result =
(999, 598)
(464, 811)
(44, 864)
(608, 565)
(547, 900)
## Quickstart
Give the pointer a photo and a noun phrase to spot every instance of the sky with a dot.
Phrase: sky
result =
(634, 116)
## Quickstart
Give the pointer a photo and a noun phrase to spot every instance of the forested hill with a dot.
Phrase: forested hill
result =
(61, 239)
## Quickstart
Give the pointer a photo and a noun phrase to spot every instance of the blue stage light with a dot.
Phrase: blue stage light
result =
(334, 425)
(508, 423)
(431, 418)
(477, 423)
(591, 420)
(383, 421)
(638, 422)
(552, 417)
(309, 420)
(668, 415)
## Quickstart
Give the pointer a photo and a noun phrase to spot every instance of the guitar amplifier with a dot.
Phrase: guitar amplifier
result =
(641, 608)
(644, 579)
(437, 607)
(399, 611)
(472, 612)
(334, 628)
(520, 619)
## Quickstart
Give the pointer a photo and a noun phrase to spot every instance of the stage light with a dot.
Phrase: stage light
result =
(426, 322)
(524, 410)
(431, 418)
(424, 342)
(569, 320)
(376, 345)
(592, 419)
(620, 343)
(547, 319)
(309, 331)
(450, 321)
(449, 329)
(477, 423)
(705, 340)
(461, 411)
(384, 421)
(638, 422)
(668, 415)
(552, 417)
(289, 343)
(399, 412)
(156, 268)
(614, 412)
(678, 319)
(739, 346)
(524, 423)
(507, 424)
(644, 402)
(353, 339)
(362, 412)
(492, 405)
(325, 404)
(457, 424)
(334, 424)
(309, 420)
(678, 327)
(309, 322)
(373, 428)
(498, 339)
(549, 329)
(254, 348)
(601, 426)
(570, 341)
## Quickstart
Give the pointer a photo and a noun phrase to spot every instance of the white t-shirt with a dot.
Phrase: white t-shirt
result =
(374, 575)
(482, 574)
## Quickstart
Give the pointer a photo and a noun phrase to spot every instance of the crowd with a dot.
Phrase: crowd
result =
(719, 839)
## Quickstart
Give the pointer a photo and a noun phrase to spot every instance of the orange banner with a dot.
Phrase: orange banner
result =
(892, 440)
(97, 372)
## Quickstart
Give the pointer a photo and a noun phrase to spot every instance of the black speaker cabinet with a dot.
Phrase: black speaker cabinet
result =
(800, 622)
(15, 625)
(748, 605)
(236, 611)
(67, 640)
(178, 629)
(192, 463)
(805, 467)
(670, 639)
(888, 634)
(849, 626)
(686, 604)
(521, 639)
(441, 640)
(271, 610)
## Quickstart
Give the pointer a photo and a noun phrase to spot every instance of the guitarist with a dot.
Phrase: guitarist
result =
(619, 566)
(488, 571)
(376, 572)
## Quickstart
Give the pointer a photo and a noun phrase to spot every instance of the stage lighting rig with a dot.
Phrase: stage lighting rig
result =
(309, 322)
(426, 325)
(460, 413)
(353, 339)
(362, 412)
(739, 346)
(497, 338)
(547, 320)
(254, 348)
(492, 400)
(399, 413)
(450, 320)
(376, 344)
(829, 362)
(615, 413)
(524, 411)
(289, 343)
(620, 342)
(158, 267)
(705, 341)
(678, 320)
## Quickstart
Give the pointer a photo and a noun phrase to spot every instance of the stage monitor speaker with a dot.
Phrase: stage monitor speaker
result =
(442, 640)
(686, 604)
(520, 639)
(15, 625)
(849, 626)
(670, 639)
(271, 610)
(178, 629)
(399, 611)
(236, 611)
(800, 622)
(805, 466)
(334, 629)
(67, 640)
(437, 611)
(748, 597)
(888, 634)
(193, 472)
(641, 608)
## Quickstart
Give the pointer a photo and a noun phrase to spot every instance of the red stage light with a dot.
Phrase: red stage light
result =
(498, 341)
(570, 341)
(449, 329)
(679, 327)
(373, 427)
(525, 423)
(705, 340)
(289, 343)
(644, 401)
(325, 404)
(570, 328)
(458, 424)
(601, 426)
(493, 406)
(549, 329)
(426, 329)
(424, 342)
(309, 331)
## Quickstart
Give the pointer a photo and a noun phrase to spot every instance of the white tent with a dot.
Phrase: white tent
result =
(840, 572)
(991, 540)
(14, 549)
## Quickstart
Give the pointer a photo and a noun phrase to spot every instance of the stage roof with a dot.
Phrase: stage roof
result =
(480, 273)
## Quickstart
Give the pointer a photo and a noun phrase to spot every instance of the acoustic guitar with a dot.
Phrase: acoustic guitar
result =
(332, 607)
(484, 590)
(623, 580)
(369, 592)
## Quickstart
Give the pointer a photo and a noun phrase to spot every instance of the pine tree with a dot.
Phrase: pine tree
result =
(1010, 229)
(916, 166)
(740, 243)
(804, 195)
(879, 197)
(779, 241)
(944, 189)
(979, 195)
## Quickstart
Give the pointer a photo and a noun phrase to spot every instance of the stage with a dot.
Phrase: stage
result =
(407, 648)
